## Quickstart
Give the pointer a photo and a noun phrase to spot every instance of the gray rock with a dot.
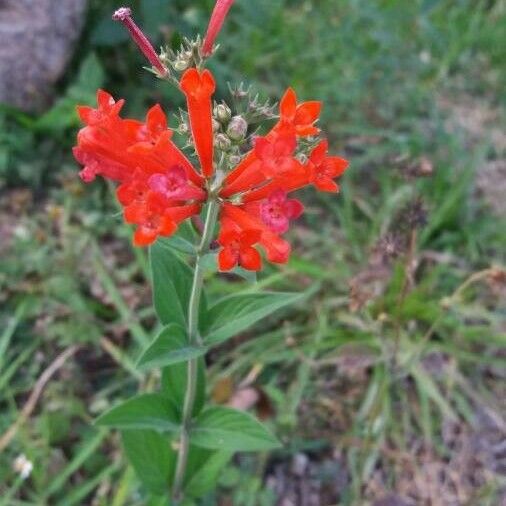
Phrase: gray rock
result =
(37, 38)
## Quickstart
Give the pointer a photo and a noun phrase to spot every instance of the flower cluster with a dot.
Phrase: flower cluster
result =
(159, 187)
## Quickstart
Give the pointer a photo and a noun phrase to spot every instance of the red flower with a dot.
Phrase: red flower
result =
(277, 249)
(198, 88)
(324, 169)
(158, 185)
(276, 211)
(298, 119)
(237, 249)
(275, 153)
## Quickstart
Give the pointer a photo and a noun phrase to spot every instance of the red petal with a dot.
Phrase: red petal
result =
(250, 237)
(288, 104)
(318, 154)
(293, 208)
(250, 259)
(167, 226)
(307, 113)
(227, 259)
(326, 185)
(180, 213)
(156, 120)
(228, 235)
(196, 84)
(144, 236)
(104, 99)
(338, 165)
(278, 250)
(306, 130)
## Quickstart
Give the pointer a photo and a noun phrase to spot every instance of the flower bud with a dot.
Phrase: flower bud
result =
(181, 64)
(183, 128)
(222, 142)
(223, 113)
(234, 160)
(237, 128)
(216, 126)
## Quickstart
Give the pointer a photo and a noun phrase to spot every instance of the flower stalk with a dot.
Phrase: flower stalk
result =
(193, 338)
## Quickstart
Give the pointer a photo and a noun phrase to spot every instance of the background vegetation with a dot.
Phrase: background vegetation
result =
(387, 385)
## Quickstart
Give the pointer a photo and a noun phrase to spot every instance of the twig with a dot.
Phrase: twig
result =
(34, 396)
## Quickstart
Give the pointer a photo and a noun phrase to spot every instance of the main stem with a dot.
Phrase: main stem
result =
(193, 338)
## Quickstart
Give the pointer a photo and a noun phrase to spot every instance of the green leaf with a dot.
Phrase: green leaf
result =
(172, 280)
(235, 313)
(203, 470)
(222, 428)
(145, 411)
(174, 379)
(183, 240)
(152, 458)
(169, 347)
(82, 91)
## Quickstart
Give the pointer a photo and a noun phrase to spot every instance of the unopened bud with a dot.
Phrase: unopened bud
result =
(183, 128)
(124, 15)
(234, 160)
(237, 128)
(216, 126)
(223, 113)
(222, 142)
(181, 64)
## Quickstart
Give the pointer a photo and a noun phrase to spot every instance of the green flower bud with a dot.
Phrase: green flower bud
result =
(234, 160)
(222, 142)
(223, 113)
(237, 128)
(181, 64)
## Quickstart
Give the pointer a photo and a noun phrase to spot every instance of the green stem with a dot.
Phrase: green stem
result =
(193, 338)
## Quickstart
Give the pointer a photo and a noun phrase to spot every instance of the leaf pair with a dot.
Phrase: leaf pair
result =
(215, 428)
(226, 318)
(154, 461)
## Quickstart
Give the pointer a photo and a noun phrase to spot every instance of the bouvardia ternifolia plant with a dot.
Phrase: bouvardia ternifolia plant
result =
(242, 183)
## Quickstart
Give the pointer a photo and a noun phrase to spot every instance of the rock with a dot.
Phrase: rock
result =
(37, 40)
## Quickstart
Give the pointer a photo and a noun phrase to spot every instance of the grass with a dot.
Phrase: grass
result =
(372, 388)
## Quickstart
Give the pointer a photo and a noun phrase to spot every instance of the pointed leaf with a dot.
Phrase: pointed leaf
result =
(169, 347)
(145, 411)
(172, 280)
(152, 458)
(202, 477)
(235, 313)
(228, 429)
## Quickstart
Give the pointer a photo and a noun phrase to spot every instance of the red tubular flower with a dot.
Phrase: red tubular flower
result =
(324, 169)
(273, 154)
(277, 249)
(159, 187)
(237, 249)
(298, 119)
(198, 88)
(164, 153)
(215, 23)
(277, 210)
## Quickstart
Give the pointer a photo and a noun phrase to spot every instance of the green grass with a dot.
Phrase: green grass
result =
(355, 391)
